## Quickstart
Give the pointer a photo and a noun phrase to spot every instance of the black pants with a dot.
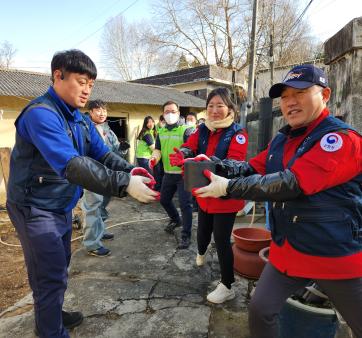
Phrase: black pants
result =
(273, 289)
(221, 226)
(170, 184)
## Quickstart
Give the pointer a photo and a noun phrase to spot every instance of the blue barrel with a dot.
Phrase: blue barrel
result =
(298, 320)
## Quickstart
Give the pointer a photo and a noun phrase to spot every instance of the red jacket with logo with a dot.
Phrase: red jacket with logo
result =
(237, 151)
(317, 170)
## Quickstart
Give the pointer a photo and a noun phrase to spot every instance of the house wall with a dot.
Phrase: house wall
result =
(134, 115)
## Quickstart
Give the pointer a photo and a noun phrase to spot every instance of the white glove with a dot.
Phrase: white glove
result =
(139, 190)
(216, 188)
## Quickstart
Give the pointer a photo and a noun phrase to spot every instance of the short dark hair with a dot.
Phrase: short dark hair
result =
(191, 113)
(161, 118)
(225, 95)
(170, 102)
(94, 104)
(73, 61)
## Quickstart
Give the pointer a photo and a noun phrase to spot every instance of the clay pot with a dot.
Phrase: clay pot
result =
(246, 263)
(251, 239)
(264, 254)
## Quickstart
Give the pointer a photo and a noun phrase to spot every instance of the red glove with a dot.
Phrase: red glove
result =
(177, 158)
(152, 162)
(138, 171)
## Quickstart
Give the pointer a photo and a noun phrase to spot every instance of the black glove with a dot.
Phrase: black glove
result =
(94, 176)
(116, 162)
(279, 186)
(232, 168)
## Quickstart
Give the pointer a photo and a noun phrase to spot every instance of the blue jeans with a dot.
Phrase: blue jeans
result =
(93, 227)
(45, 238)
(104, 212)
(170, 184)
(267, 224)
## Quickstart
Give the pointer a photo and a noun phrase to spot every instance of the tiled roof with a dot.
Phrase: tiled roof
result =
(29, 84)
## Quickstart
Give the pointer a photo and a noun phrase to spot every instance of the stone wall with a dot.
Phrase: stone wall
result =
(343, 54)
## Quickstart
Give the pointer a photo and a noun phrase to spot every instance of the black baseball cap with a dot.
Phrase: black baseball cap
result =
(300, 77)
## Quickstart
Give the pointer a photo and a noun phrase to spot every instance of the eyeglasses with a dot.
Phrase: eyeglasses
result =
(171, 112)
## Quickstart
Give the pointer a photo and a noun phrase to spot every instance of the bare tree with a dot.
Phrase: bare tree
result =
(292, 42)
(206, 32)
(218, 31)
(7, 53)
(128, 51)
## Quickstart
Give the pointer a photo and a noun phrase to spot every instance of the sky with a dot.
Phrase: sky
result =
(39, 28)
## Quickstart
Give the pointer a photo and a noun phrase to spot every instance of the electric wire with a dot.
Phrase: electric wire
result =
(96, 31)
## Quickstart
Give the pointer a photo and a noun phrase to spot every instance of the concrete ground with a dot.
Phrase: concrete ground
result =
(146, 288)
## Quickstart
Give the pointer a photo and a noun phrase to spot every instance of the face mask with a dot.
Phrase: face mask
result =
(190, 123)
(171, 118)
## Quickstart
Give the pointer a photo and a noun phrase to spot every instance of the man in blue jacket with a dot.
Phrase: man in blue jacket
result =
(57, 152)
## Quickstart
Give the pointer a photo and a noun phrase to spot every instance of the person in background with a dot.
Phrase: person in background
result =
(146, 142)
(58, 151)
(191, 120)
(161, 123)
(311, 174)
(200, 121)
(94, 205)
(219, 136)
(158, 171)
(169, 137)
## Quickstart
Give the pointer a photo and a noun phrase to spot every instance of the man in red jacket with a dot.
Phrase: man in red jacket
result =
(311, 176)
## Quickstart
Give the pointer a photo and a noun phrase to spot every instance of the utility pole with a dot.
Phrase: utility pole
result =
(252, 58)
(246, 107)
(271, 61)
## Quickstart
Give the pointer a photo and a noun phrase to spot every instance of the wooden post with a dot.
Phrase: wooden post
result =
(5, 164)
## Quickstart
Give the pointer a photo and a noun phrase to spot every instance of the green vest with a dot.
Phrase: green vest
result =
(143, 149)
(170, 139)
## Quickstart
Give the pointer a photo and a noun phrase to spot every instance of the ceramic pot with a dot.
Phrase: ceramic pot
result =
(246, 263)
(264, 254)
(251, 239)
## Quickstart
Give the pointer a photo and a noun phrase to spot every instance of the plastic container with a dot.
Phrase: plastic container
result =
(193, 174)
(299, 320)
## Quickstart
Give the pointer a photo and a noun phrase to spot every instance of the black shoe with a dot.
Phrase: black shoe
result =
(107, 236)
(185, 242)
(70, 320)
(171, 226)
(100, 252)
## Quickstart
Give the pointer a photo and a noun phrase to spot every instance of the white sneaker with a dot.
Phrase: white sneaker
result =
(221, 294)
(200, 259)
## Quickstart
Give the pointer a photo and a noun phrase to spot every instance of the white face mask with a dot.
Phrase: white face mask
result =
(171, 118)
(190, 123)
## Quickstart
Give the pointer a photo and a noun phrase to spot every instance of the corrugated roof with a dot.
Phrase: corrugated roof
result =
(29, 84)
